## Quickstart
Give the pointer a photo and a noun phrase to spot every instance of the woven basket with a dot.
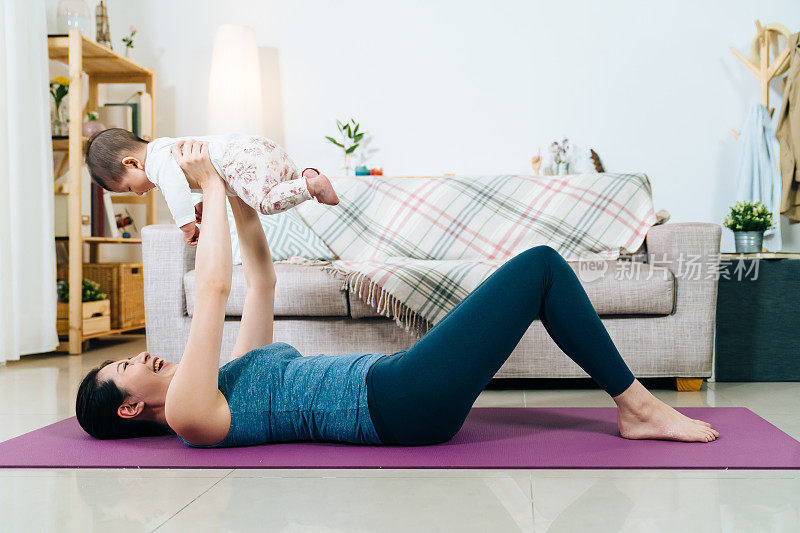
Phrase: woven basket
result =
(124, 285)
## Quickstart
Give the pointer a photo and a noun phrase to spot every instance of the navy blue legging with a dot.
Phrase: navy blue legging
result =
(422, 395)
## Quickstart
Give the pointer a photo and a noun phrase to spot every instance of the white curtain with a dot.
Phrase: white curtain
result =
(27, 248)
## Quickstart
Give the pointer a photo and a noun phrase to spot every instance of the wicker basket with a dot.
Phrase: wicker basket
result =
(124, 285)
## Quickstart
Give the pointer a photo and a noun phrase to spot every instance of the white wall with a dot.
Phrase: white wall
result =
(478, 87)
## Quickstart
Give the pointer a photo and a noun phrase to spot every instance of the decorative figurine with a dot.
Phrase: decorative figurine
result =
(102, 31)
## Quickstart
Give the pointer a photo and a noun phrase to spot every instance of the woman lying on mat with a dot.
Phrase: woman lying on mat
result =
(268, 392)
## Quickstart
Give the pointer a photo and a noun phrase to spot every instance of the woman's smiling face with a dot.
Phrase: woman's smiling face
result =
(144, 378)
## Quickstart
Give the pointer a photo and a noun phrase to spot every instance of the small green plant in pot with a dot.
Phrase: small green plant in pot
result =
(748, 221)
(350, 139)
(90, 291)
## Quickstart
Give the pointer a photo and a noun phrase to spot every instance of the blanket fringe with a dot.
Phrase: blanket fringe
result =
(294, 260)
(384, 303)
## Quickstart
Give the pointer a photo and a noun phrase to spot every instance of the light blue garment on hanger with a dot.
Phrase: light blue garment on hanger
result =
(759, 169)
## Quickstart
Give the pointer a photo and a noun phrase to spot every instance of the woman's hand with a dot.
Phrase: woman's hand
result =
(192, 156)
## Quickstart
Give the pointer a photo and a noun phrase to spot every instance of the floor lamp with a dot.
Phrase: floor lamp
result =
(234, 91)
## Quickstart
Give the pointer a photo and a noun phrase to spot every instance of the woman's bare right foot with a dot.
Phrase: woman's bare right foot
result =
(320, 187)
(641, 415)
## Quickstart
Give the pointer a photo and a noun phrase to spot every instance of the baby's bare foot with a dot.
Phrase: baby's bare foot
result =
(660, 421)
(320, 188)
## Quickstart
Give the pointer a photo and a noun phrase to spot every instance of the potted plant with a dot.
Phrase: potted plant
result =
(748, 221)
(91, 125)
(128, 40)
(95, 308)
(350, 139)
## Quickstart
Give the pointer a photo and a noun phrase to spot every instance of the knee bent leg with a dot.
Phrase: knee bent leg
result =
(542, 253)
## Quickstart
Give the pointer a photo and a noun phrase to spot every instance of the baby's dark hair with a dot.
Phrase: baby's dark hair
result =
(104, 153)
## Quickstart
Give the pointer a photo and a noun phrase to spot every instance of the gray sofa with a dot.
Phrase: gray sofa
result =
(659, 307)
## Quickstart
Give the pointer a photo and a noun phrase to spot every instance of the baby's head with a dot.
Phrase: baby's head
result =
(115, 158)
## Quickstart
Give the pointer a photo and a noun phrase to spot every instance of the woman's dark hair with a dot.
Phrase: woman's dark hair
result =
(96, 408)
(104, 153)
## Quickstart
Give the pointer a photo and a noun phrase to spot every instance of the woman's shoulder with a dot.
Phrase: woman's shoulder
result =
(207, 430)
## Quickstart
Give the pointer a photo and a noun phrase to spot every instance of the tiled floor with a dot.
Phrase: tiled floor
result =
(40, 390)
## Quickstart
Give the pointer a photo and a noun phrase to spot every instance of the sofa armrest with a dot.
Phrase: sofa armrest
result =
(678, 246)
(165, 258)
(691, 251)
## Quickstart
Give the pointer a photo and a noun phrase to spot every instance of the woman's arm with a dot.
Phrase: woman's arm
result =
(255, 330)
(194, 403)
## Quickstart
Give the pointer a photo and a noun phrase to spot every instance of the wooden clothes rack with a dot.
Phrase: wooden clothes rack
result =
(759, 63)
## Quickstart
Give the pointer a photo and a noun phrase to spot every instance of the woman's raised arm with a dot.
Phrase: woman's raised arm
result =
(193, 402)
(255, 329)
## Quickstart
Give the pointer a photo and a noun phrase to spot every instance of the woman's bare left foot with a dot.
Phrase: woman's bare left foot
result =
(643, 416)
(320, 188)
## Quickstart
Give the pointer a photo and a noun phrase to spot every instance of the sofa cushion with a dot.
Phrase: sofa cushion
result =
(613, 287)
(301, 290)
(287, 235)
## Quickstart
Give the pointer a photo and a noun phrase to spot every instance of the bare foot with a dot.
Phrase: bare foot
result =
(320, 188)
(643, 416)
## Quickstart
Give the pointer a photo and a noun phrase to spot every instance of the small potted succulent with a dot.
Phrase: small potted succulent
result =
(748, 221)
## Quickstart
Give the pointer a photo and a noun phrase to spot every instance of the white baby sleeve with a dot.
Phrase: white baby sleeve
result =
(176, 192)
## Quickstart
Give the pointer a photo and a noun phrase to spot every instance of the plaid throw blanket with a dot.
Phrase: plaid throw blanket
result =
(415, 247)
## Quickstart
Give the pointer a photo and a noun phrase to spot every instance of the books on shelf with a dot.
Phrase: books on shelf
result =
(134, 115)
(104, 223)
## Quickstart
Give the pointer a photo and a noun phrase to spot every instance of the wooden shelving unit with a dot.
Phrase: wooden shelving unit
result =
(102, 66)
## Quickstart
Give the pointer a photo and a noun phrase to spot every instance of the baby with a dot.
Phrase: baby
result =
(255, 169)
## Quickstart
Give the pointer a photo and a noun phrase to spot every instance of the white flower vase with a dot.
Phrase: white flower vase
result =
(59, 122)
(562, 168)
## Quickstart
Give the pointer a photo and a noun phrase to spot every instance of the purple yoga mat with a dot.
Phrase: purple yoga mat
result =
(566, 437)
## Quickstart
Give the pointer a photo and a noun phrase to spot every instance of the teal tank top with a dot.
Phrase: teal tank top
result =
(276, 395)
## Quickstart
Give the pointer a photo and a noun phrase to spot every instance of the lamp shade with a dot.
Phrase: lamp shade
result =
(234, 90)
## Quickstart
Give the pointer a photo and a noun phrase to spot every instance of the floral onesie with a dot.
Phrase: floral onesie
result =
(262, 174)
(255, 169)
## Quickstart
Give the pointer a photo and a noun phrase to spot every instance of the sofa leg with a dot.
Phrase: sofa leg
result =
(688, 384)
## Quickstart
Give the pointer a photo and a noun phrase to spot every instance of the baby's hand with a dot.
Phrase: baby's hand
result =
(190, 233)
